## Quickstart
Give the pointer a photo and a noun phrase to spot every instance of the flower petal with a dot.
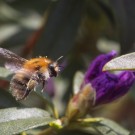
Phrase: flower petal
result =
(110, 87)
(126, 80)
(104, 85)
(95, 68)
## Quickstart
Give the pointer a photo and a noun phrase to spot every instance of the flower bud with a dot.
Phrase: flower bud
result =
(108, 86)
(80, 103)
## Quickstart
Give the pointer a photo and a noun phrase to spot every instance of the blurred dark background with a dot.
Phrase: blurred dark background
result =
(79, 30)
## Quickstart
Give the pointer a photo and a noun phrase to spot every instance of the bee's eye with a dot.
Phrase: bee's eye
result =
(52, 70)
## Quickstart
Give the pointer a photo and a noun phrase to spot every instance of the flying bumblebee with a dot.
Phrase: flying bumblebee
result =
(28, 73)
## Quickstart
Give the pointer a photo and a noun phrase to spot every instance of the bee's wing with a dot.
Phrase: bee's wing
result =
(12, 61)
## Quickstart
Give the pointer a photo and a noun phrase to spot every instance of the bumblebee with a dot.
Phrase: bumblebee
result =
(28, 73)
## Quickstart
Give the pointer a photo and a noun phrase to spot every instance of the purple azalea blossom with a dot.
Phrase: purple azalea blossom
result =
(108, 86)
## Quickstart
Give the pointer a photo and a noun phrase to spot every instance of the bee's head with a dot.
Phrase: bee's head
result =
(54, 68)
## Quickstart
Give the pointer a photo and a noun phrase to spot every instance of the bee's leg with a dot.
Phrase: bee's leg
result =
(26, 93)
(43, 85)
(31, 85)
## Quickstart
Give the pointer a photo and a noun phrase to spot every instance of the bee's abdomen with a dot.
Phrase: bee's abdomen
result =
(18, 84)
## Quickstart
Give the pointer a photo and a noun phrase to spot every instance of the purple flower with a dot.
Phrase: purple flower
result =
(108, 86)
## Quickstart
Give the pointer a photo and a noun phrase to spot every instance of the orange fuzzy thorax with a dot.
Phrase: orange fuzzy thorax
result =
(37, 64)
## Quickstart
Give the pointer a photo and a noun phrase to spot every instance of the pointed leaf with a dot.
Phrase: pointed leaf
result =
(63, 21)
(15, 120)
(7, 100)
(101, 126)
(78, 80)
(49, 104)
(108, 127)
(124, 62)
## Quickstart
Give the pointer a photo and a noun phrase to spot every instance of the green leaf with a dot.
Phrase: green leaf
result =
(49, 104)
(5, 73)
(108, 127)
(15, 120)
(100, 126)
(124, 62)
(7, 100)
(78, 80)
(63, 21)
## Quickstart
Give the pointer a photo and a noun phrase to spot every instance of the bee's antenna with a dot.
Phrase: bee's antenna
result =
(59, 58)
